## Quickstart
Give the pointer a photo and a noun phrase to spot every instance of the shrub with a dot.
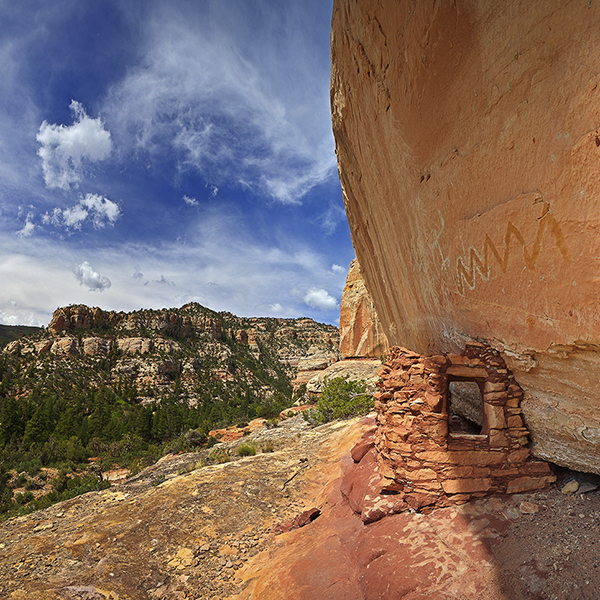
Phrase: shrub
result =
(246, 450)
(219, 455)
(20, 480)
(268, 446)
(341, 399)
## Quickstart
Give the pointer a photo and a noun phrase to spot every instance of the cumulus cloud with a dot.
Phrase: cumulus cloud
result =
(85, 274)
(337, 269)
(100, 210)
(320, 299)
(28, 227)
(65, 147)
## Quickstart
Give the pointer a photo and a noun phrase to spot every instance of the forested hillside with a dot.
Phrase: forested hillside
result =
(124, 389)
(8, 333)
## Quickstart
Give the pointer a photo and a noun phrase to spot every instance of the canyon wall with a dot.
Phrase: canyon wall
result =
(361, 333)
(468, 143)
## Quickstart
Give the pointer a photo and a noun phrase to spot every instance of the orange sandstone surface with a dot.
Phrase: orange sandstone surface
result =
(468, 142)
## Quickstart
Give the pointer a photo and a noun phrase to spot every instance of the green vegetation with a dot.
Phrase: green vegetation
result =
(8, 333)
(246, 450)
(83, 414)
(341, 399)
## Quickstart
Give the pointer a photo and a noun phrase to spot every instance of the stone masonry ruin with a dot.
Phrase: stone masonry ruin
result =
(428, 465)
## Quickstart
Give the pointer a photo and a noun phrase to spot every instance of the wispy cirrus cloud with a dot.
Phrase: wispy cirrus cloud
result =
(64, 148)
(217, 90)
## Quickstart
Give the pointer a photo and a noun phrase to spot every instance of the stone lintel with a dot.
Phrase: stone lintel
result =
(465, 371)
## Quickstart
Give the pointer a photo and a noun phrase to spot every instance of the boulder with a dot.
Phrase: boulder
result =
(352, 369)
(361, 333)
(468, 141)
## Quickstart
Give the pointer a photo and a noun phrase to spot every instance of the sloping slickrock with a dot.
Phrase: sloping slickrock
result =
(468, 142)
(361, 333)
(178, 532)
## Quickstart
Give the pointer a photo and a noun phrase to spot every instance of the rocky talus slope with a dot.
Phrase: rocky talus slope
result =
(182, 531)
(468, 140)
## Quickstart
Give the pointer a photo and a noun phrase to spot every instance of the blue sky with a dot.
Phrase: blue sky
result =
(156, 153)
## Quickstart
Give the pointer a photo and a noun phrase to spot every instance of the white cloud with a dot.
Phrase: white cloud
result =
(90, 278)
(99, 209)
(28, 227)
(190, 201)
(63, 148)
(223, 265)
(332, 217)
(320, 299)
(338, 269)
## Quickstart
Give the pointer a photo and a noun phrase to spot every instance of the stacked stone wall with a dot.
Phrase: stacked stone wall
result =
(417, 455)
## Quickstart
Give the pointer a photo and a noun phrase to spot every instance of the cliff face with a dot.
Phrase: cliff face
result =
(468, 141)
(361, 333)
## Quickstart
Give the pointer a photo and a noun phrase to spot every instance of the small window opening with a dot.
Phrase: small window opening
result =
(465, 410)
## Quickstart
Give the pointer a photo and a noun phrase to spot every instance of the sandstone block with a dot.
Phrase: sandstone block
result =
(457, 472)
(475, 457)
(426, 485)
(462, 486)
(494, 396)
(470, 361)
(509, 472)
(524, 484)
(402, 448)
(514, 421)
(481, 472)
(498, 439)
(489, 387)
(417, 474)
(518, 456)
(494, 416)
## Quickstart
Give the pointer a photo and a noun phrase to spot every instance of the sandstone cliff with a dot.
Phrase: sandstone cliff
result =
(468, 139)
(361, 333)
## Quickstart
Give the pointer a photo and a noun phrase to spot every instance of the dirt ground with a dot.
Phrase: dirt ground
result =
(553, 553)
